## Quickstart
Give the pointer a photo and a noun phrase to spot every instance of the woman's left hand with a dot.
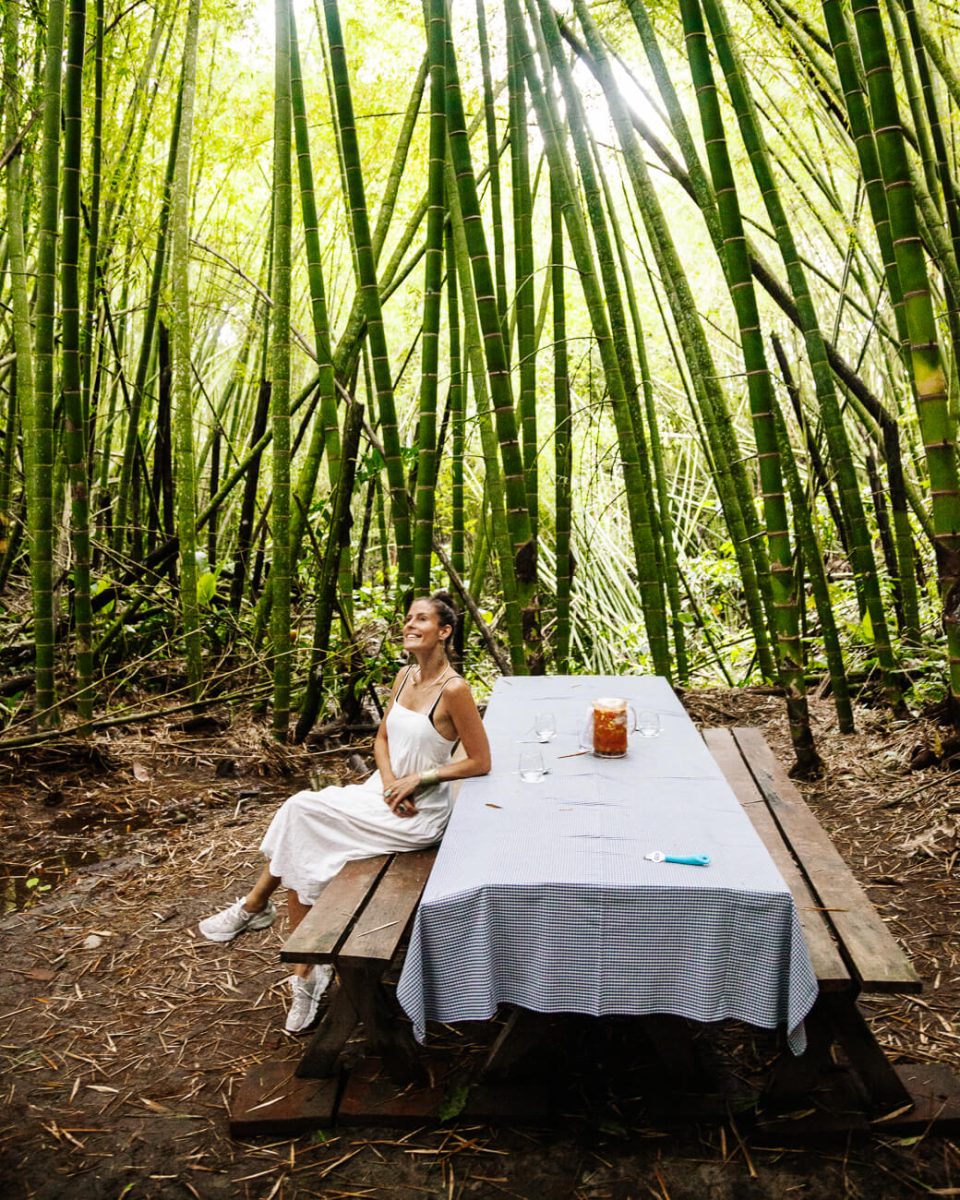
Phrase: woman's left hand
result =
(399, 795)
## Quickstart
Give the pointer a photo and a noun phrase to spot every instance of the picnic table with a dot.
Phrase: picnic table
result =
(541, 896)
(540, 899)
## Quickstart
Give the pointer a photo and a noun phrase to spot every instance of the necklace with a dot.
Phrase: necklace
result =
(430, 682)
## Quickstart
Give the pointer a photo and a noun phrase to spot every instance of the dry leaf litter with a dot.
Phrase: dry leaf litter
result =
(124, 1035)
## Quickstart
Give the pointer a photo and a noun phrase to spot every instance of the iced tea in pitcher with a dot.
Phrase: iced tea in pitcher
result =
(610, 727)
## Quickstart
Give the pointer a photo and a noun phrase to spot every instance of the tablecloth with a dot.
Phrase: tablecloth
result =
(541, 896)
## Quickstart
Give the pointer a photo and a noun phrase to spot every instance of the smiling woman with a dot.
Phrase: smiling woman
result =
(404, 805)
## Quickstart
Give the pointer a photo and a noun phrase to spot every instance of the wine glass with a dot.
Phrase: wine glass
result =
(545, 726)
(648, 723)
(531, 766)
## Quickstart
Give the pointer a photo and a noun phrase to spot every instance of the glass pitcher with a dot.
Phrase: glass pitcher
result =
(611, 726)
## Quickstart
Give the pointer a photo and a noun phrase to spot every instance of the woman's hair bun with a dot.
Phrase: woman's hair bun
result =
(445, 607)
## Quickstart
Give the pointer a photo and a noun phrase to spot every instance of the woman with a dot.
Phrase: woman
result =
(404, 805)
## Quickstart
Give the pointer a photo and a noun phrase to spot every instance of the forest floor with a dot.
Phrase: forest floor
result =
(123, 1034)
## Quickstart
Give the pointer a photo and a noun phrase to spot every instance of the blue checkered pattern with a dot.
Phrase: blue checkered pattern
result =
(541, 895)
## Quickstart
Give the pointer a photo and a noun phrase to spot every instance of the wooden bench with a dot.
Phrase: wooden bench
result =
(356, 926)
(851, 949)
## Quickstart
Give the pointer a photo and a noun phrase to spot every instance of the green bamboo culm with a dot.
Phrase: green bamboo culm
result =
(666, 540)
(562, 442)
(849, 72)
(458, 422)
(861, 551)
(495, 496)
(132, 449)
(493, 155)
(932, 178)
(328, 570)
(75, 441)
(523, 259)
(812, 556)
(938, 429)
(618, 291)
(432, 303)
(182, 373)
(649, 446)
(841, 41)
(93, 225)
(369, 287)
(347, 354)
(325, 432)
(497, 367)
(943, 174)
(910, 90)
(736, 264)
(937, 51)
(38, 425)
(19, 286)
(280, 377)
(325, 435)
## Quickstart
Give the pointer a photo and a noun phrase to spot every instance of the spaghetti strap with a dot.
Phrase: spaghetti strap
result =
(433, 707)
(404, 684)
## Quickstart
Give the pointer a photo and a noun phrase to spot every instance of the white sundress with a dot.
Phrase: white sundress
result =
(314, 833)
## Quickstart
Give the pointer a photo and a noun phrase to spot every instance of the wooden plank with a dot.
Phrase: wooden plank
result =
(827, 962)
(935, 1091)
(323, 930)
(370, 1097)
(377, 933)
(876, 959)
(272, 1101)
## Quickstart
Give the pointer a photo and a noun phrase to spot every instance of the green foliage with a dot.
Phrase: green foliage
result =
(206, 588)
(454, 1102)
(815, 177)
(102, 585)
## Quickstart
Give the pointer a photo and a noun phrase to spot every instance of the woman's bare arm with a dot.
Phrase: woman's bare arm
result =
(461, 710)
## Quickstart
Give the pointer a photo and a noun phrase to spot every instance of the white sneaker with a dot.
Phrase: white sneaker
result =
(305, 998)
(224, 926)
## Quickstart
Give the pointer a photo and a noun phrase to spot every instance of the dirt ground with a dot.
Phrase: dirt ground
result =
(123, 1034)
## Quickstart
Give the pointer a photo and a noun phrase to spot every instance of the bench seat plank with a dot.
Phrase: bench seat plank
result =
(827, 962)
(376, 935)
(876, 959)
(328, 923)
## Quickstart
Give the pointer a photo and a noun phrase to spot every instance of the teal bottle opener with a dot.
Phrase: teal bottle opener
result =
(690, 860)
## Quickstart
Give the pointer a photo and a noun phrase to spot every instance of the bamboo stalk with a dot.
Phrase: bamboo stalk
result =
(186, 519)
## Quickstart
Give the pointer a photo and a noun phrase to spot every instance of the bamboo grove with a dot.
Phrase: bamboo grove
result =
(636, 326)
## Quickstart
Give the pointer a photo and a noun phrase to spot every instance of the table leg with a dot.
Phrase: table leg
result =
(671, 1039)
(522, 1033)
(836, 1020)
(794, 1079)
(323, 1051)
(386, 1034)
(884, 1089)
